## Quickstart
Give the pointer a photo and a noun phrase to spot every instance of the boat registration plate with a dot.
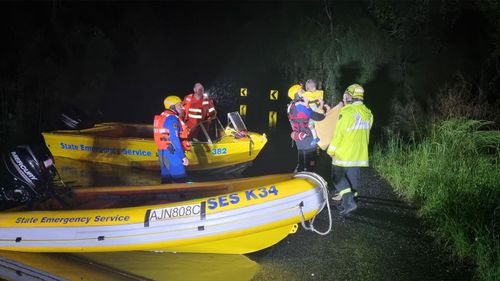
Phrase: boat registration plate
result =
(164, 214)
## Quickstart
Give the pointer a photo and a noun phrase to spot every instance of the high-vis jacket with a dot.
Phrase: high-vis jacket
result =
(349, 146)
(197, 110)
(170, 133)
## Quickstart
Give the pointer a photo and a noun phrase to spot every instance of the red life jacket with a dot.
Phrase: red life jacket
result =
(298, 124)
(161, 134)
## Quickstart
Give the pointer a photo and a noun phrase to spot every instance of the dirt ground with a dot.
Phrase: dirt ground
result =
(383, 240)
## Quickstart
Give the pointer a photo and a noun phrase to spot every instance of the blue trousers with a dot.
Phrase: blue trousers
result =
(345, 177)
(171, 167)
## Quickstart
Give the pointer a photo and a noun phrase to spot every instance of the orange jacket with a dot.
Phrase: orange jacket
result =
(197, 110)
(162, 135)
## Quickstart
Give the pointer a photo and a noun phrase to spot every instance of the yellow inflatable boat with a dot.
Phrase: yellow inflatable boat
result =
(230, 217)
(122, 266)
(133, 145)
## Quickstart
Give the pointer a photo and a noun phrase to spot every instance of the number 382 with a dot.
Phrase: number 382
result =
(219, 151)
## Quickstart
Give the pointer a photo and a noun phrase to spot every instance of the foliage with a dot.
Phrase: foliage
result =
(403, 52)
(457, 98)
(334, 54)
(409, 57)
(453, 174)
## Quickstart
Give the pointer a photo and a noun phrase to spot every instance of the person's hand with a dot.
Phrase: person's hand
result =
(298, 135)
(340, 104)
(306, 100)
(321, 103)
(327, 108)
(185, 161)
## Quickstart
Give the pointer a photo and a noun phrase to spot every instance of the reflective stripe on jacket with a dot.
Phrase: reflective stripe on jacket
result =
(196, 111)
(169, 130)
(349, 146)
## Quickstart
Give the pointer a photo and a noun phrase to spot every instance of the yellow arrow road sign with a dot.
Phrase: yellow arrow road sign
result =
(273, 95)
(273, 118)
(243, 109)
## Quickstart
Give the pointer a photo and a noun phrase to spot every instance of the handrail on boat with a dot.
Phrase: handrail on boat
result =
(323, 185)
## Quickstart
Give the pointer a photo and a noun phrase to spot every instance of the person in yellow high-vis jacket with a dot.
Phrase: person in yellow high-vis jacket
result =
(349, 146)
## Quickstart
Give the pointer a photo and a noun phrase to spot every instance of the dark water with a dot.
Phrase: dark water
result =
(275, 158)
(384, 240)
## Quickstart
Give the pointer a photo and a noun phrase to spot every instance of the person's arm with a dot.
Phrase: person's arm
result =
(307, 111)
(303, 108)
(185, 108)
(316, 116)
(211, 112)
(173, 126)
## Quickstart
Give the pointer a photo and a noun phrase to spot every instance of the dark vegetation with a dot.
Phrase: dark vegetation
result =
(431, 71)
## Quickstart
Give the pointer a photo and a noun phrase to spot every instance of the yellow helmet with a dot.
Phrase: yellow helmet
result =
(293, 90)
(171, 100)
(356, 91)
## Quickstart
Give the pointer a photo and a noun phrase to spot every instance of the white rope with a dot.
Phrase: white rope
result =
(324, 189)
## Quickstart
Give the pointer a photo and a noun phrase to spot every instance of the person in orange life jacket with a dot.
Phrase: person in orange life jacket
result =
(170, 135)
(299, 115)
(198, 107)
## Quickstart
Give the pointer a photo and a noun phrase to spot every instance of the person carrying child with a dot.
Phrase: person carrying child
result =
(316, 103)
(300, 115)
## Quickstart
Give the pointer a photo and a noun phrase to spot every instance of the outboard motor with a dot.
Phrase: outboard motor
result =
(26, 175)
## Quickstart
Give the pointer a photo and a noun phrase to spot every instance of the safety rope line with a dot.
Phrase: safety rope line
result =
(60, 178)
(324, 189)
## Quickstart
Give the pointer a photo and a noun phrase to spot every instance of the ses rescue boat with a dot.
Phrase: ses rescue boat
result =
(231, 217)
(213, 147)
(125, 266)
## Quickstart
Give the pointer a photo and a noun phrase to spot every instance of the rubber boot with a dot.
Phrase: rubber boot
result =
(338, 197)
(336, 201)
(348, 204)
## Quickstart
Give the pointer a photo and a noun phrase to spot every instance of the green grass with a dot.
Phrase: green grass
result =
(453, 175)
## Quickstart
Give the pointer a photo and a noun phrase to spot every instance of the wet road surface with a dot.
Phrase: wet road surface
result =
(382, 240)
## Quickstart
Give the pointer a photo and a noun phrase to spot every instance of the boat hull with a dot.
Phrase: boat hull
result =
(137, 265)
(244, 220)
(112, 143)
